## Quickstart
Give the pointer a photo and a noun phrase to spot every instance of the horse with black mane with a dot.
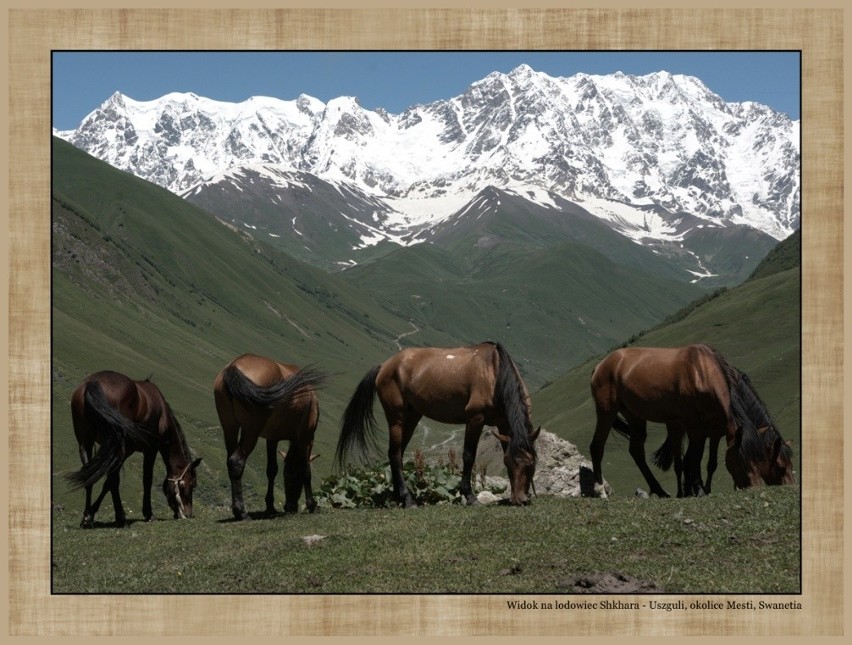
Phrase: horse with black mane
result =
(257, 397)
(477, 386)
(696, 393)
(125, 416)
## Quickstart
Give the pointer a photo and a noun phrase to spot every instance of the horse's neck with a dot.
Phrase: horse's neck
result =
(173, 449)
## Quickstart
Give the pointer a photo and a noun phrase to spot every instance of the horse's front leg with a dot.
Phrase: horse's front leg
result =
(675, 438)
(472, 433)
(692, 467)
(604, 420)
(271, 474)
(712, 462)
(148, 459)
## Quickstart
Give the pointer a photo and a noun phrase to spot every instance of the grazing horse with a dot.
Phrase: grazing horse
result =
(475, 385)
(259, 397)
(695, 393)
(125, 416)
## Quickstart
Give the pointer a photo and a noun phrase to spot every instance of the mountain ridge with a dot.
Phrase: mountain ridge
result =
(630, 147)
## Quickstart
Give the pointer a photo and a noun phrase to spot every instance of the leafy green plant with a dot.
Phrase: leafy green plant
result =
(373, 487)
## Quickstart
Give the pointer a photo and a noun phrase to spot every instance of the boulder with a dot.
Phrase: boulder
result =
(560, 470)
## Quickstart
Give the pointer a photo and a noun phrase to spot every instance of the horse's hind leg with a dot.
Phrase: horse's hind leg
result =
(235, 459)
(236, 466)
(271, 473)
(111, 485)
(638, 434)
(401, 429)
(113, 481)
(88, 514)
(297, 475)
(310, 502)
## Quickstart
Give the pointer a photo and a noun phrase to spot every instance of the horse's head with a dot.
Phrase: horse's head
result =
(178, 490)
(779, 465)
(773, 467)
(521, 468)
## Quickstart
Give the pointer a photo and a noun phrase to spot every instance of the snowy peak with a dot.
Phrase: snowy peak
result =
(659, 141)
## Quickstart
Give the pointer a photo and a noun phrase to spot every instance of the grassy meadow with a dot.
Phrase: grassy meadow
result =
(748, 543)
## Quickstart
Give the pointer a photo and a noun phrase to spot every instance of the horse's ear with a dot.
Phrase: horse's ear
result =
(777, 445)
(534, 434)
(195, 463)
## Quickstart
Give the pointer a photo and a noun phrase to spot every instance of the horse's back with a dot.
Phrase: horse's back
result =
(439, 382)
(654, 381)
(439, 367)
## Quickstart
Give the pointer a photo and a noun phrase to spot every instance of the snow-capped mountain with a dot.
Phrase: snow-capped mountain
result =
(654, 156)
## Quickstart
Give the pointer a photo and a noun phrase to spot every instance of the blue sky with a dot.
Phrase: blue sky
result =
(390, 80)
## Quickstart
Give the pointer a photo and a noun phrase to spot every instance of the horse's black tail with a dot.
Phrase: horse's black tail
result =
(663, 457)
(621, 427)
(280, 393)
(119, 435)
(511, 389)
(358, 427)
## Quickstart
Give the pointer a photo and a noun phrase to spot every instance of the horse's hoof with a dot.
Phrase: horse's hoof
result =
(87, 523)
(472, 501)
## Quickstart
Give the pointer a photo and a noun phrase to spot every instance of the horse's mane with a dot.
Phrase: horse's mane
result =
(749, 412)
(178, 432)
(511, 390)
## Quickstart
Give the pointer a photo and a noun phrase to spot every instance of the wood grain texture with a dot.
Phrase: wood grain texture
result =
(32, 610)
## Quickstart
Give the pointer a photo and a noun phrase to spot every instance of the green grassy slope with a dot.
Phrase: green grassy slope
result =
(146, 284)
(756, 326)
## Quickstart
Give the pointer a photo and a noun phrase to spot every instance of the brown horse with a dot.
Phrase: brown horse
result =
(475, 385)
(697, 394)
(125, 416)
(259, 397)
